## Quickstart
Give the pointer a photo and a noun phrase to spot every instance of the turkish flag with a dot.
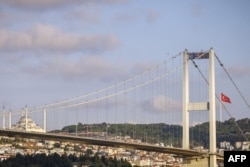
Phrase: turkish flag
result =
(224, 98)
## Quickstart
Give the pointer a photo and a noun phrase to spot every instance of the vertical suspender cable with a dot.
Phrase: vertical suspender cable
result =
(106, 113)
(165, 103)
(125, 109)
(87, 115)
(97, 109)
(115, 121)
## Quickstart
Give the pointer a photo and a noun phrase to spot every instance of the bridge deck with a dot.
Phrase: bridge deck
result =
(102, 142)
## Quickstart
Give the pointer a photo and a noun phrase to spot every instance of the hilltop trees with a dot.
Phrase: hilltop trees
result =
(169, 134)
(55, 160)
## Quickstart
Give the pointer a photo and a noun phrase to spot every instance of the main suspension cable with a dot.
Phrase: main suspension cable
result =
(236, 87)
(103, 90)
(217, 97)
(74, 101)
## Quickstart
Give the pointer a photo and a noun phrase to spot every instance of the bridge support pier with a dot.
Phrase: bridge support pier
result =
(196, 161)
(210, 106)
(212, 115)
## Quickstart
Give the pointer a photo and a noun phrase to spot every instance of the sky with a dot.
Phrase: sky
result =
(57, 49)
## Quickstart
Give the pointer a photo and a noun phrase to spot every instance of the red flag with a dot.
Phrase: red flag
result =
(224, 98)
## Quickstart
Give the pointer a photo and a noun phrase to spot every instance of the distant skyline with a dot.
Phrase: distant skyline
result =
(60, 49)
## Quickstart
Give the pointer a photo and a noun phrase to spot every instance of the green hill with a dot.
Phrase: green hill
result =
(164, 133)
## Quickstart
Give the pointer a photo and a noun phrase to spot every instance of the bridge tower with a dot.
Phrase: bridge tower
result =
(209, 106)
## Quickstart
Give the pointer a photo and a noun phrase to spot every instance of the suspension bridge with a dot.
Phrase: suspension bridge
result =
(164, 94)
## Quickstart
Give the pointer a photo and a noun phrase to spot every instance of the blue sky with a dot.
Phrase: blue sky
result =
(58, 49)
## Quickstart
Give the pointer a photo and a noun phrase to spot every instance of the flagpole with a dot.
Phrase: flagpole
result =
(220, 110)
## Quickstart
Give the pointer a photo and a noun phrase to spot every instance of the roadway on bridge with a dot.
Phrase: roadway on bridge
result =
(102, 142)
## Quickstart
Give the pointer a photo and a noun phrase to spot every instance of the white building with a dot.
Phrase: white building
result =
(246, 146)
(225, 144)
(28, 126)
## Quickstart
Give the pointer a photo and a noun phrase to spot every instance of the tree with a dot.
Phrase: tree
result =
(57, 145)
(89, 153)
(77, 148)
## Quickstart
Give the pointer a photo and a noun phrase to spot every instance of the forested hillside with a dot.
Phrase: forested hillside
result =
(167, 134)
(56, 160)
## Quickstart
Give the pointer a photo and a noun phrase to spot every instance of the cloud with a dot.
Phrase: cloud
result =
(151, 16)
(124, 17)
(85, 15)
(137, 15)
(87, 67)
(240, 71)
(35, 4)
(51, 38)
(197, 9)
(162, 103)
(5, 16)
(235, 71)
(52, 4)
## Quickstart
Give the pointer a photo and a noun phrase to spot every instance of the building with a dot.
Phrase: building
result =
(29, 125)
